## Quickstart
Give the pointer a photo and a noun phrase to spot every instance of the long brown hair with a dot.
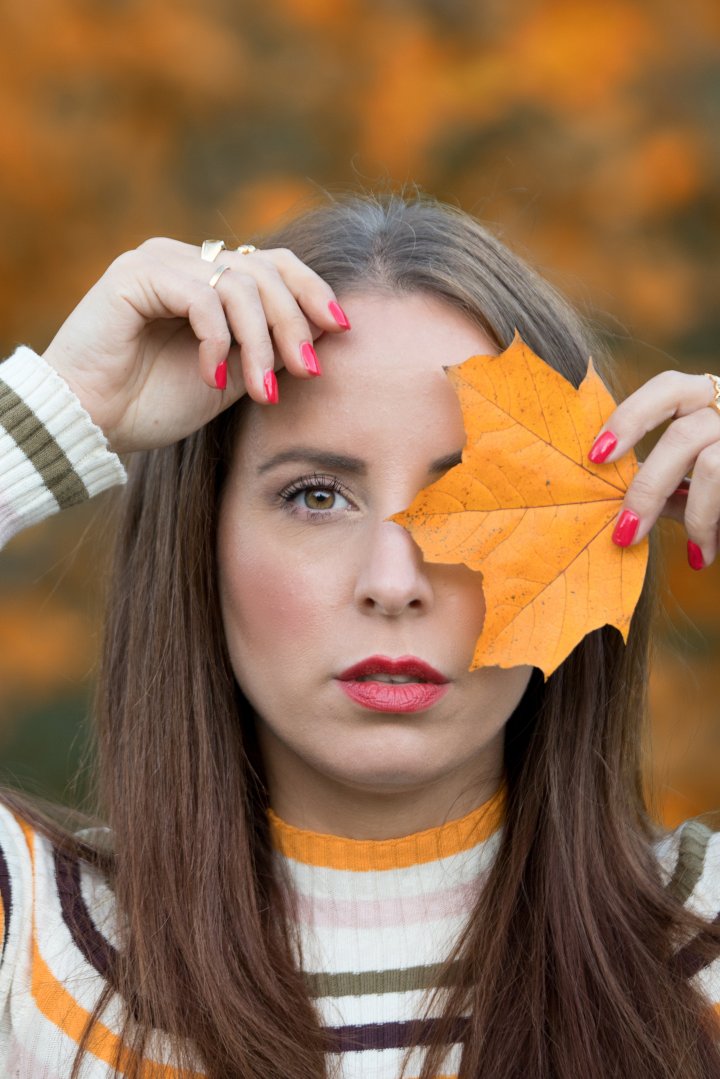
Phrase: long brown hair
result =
(570, 962)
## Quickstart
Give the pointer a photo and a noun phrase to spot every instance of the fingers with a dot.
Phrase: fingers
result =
(274, 306)
(295, 305)
(260, 308)
(246, 317)
(167, 293)
(703, 508)
(691, 443)
(668, 395)
(317, 300)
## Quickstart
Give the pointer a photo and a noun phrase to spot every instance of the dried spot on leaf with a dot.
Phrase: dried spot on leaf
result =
(528, 510)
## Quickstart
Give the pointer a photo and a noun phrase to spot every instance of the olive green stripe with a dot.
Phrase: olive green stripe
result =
(400, 980)
(41, 449)
(694, 840)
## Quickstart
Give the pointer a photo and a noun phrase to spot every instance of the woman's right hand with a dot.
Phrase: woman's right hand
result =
(142, 347)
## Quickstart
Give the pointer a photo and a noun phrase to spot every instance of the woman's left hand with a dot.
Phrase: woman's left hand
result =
(691, 443)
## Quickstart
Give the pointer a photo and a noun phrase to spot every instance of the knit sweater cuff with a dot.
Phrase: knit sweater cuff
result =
(52, 454)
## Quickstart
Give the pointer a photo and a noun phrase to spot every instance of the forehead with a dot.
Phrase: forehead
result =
(383, 387)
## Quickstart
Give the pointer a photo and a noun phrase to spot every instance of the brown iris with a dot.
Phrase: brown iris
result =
(318, 498)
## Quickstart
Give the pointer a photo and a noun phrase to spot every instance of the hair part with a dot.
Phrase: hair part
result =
(567, 962)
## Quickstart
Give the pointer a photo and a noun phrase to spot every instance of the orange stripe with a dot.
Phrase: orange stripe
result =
(338, 852)
(28, 833)
(57, 1005)
(63, 1011)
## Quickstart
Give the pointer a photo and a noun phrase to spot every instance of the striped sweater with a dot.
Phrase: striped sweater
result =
(377, 917)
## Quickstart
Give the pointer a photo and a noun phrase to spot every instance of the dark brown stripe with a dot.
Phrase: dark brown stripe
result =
(5, 895)
(690, 960)
(96, 949)
(694, 839)
(41, 449)
(362, 983)
(358, 1039)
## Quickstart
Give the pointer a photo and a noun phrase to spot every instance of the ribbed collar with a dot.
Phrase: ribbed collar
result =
(339, 852)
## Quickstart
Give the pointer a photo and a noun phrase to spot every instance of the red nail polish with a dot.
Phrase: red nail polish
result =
(221, 375)
(695, 557)
(339, 315)
(603, 445)
(626, 528)
(271, 387)
(310, 359)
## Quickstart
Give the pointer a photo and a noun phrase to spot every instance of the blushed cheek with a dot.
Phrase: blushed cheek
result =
(274, 606)
(466, 603)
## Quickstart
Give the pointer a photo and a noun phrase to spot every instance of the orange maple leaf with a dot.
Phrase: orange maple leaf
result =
(528, 510)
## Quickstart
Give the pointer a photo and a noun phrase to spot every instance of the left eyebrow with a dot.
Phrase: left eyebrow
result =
(342, 462)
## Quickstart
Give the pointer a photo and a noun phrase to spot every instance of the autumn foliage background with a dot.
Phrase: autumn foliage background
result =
(585, 134)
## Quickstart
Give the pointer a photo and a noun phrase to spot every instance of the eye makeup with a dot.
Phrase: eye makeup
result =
(316, 483)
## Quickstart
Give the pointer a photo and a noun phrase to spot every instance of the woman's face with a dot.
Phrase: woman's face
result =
(314, 579)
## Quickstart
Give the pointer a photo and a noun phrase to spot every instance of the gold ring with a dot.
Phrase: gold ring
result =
(211, 249)
(715, 403)
(217, 275)
(246, 249)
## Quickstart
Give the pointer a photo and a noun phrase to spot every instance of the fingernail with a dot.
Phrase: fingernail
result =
(626, 528)
(271, 387)
(603, 445)
(221, 375)
(695, 557)
(339, 315)
(310, 359)
(683, 489)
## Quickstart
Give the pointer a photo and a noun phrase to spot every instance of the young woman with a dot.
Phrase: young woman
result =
(299, 877)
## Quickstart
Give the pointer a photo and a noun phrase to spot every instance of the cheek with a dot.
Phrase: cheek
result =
(462, 590)
(273, 602)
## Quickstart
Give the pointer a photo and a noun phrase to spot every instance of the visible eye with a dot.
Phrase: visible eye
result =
(315, 496)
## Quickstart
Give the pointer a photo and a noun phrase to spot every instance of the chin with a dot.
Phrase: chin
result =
(386, 775)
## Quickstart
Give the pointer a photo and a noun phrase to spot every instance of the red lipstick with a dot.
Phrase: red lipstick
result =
(424, 686)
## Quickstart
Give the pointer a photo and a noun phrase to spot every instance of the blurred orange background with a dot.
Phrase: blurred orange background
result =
(586, 135)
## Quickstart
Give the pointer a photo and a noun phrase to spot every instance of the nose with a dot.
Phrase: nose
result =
(392, 578)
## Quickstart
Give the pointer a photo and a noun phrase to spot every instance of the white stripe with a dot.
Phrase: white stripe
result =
(18, 918)
(69, 967)
(100, 903)
(59, 410)
(705, 897)
(31, 1029)
(56, 946)
(413, 880)
(25, 499)
(705, 900)
(666, 850)
(47, 1042)
(385, 1063)
(21, 1061)
(377, 1008)
(338, 950)
(10, 523)
(707, 981)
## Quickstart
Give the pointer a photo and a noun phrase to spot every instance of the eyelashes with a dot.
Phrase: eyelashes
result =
(311, 483)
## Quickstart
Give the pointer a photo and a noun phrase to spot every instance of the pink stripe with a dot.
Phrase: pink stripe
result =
(21, 1062)
(381, 913)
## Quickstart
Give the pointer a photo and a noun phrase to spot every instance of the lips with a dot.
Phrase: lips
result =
(404, 666)
(422, 685)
